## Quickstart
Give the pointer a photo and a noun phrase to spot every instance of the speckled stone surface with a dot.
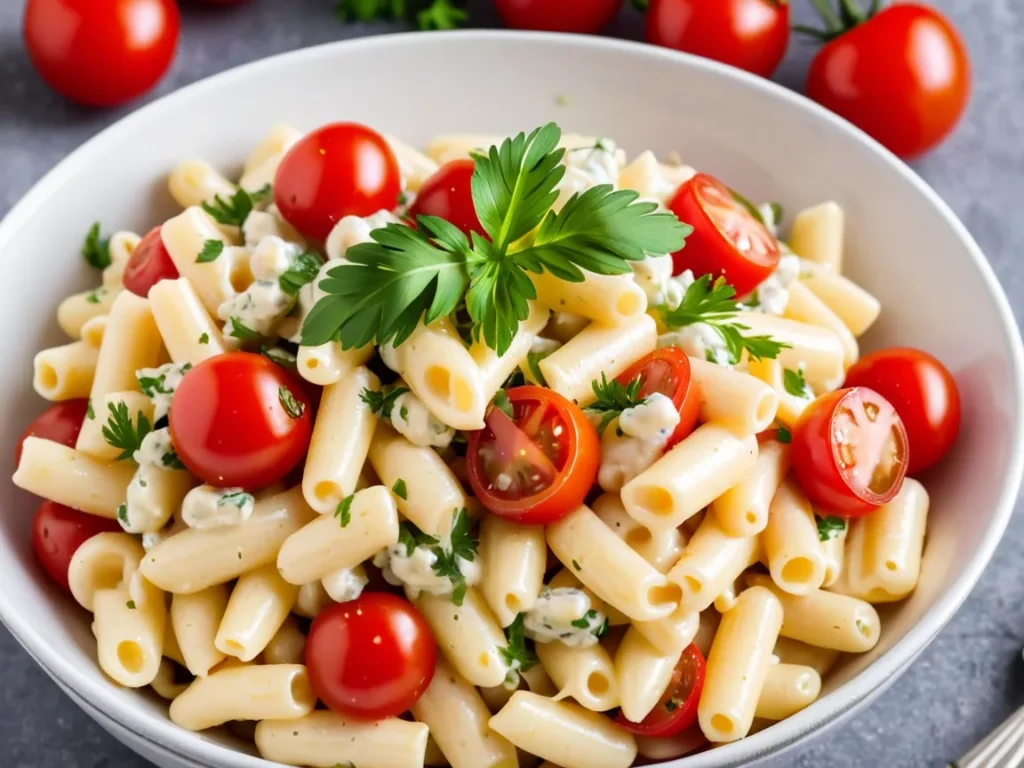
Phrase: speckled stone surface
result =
(967, 681)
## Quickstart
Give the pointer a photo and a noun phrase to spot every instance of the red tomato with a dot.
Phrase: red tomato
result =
(372, 657)
(749, 34)
(676, 710)
(584, 16)
(726, 240)
(61, 422)
(922, 391)
(240, 420)
(902, 76)
(101, 52)
(58, 532)
(849, 451)
(667, 371)
(342, 169)
(549, 452)
(149, 264)
(448, 195)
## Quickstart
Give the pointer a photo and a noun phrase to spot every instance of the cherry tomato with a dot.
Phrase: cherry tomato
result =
(903, 76)
(849, 451)
(539, 465)
(372, 657)
(148, 265)
(58, 532)
(922, 391)
(667, 371)
(61, 423)
(448, 195)
(341, 169)
(726, 240)
(749, 34)
(583, 16)
(240, 420)
(676, 710)
(101, 52)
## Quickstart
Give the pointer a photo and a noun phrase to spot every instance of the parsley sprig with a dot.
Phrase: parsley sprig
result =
(407, 275)
(236, 209)
(425, 14)
(613, 398)
(519, 654)
(795, 384)
(120, 432)
(382, 403)
(462, 544)
(714, 304)
(301, 271)
(96, 249)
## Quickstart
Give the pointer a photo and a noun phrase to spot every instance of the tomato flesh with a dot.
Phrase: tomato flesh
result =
(372, 657)
(148, 265)
(230, 422)
(924, 394)
(726, 239)
(61, 423)
(676, 710)
(58, 532)
(448, 194)
(849, 451)
(667, 371)
(341, 169)
(538, 465)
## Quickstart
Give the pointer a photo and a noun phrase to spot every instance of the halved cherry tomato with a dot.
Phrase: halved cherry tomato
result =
(922, 391)
(240, 420)
(341, 169)
(749, 34)
(849, 451)
(61, 423)
(582, 16)
(676, 710)
(448, 195)
(101, 52)
(58, 532)
(539, 465)
(726, 240)
(148, 265)
(372, 657)
(667, 372)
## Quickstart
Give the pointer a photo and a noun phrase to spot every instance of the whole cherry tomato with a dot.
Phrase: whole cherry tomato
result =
(240, 420)
(726, 239)
(537, 466)
(902, 75)
(749, 34)
(101, 52)
(583, 16)
(148, 265)
(667, 372)
(341, 169)
(849, 451)
(922, 391)
(58, 532)
(448, 194)
(676, 710)
(61, 423)
(372, 657)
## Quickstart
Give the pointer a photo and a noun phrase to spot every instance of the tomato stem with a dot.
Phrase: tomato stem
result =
(640, 5)
(849, 15)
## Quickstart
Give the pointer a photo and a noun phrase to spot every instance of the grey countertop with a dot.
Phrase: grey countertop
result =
(967, 681)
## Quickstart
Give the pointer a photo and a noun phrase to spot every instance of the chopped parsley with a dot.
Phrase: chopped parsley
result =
(576, 565)
(613, 398)
(236, 209)
(503, 404)
(519, 654)
(152, 386)
(236, 498)
(130, 605)
(122, 515)
(301, 271)
(211, 250)
(795, 384)
(344, 510)
(383, 402)
(783, 435)
(241, 331)
(96, 249)
(830, 527)
(204, 339)
(120, 432)
(585, 620)
(446, 564)
(89, 412)
(95, 296)
(294, 408)
(400, 490)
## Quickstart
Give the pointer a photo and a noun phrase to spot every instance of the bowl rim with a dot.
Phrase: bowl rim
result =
(161, 732)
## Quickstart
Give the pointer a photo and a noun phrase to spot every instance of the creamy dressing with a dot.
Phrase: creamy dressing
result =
(623, 455)
(653, 419)
(551, 618)
(258, 307)
(272, 256)
(698, 340)
(346, 584)
(415, 570)
(654, 276)
(207, 507)
(156, 450)
(159, 385)
(587, 167)
(411, 418)
(772, 293)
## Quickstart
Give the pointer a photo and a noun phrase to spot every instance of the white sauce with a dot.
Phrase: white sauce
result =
(698, 340)
(167, 378)
(346, 584)
(411, 418)
(156, 449)
(415, 570)
(272, 256)
(207, 507)
(258, 307)
(654, 276)
(551, 618)
(654, 419)
(773, 293)
(587, 167)
(623, 457)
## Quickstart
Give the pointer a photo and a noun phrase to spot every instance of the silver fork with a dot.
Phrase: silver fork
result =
(1003, 748)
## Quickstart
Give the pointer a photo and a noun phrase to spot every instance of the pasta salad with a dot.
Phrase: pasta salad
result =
(507, 451)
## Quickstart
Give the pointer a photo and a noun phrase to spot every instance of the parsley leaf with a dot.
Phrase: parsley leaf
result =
(282, 357)
(294, 408)
(795, 384)
(532, 362)
(96, 249)
(400, 490)
(714, 305)
(613, 398)
(122, 515)
(441, 14)
(463, 546)
(211, 250)
(171, 460)
(503, 404)
(783, 435)
(369, 10)
(130, 605)
(236, 209)
(576, 565)
(301, 271)
(241, 331)
(120, 432)
(830, 527)
(344, 510)
(96, 296)
(519, 654)
(383, 402)
(89, 412)
(204, 338)
(236, 498)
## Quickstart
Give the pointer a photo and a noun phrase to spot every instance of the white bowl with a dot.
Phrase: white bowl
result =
(903, 243)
